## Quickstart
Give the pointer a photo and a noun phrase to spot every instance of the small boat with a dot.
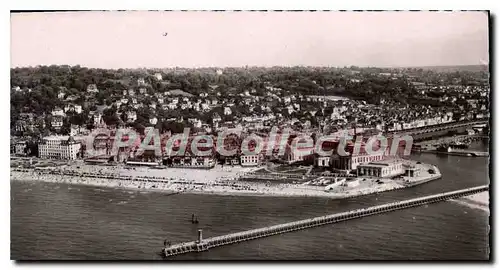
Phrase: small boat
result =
(194, 220)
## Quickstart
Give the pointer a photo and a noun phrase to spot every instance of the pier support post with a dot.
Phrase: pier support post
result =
(200, 236)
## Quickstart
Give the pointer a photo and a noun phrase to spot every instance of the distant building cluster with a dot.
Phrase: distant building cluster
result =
(253, 109)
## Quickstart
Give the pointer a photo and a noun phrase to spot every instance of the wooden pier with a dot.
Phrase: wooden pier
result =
(204, 244)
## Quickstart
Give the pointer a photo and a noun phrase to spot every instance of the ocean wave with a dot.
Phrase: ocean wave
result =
(473, 204)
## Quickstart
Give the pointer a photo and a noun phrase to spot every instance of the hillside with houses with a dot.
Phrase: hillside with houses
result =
(68, 100)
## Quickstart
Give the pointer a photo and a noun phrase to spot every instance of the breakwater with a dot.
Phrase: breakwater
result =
(204, 244)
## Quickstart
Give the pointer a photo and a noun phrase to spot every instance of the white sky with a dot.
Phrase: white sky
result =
(197, 39)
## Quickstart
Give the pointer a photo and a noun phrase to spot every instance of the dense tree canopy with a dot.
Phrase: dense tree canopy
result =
(40, 86)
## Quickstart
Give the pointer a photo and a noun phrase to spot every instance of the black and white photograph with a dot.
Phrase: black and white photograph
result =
(250, 135)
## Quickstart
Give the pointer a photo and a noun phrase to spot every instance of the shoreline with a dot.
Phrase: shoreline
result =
(222, 182)
(480, 201)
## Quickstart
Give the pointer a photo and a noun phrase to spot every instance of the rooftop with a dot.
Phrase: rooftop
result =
(386, 162)
(60, 138)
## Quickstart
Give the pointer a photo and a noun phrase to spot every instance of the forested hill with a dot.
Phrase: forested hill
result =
(35, 89)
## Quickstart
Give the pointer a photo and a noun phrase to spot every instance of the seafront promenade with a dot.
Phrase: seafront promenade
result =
(220, 180)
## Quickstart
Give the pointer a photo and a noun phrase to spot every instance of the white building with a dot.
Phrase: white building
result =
(250, 160)
(216, 118)
(60, 95)
(352, 183)
(57, 122)
(20, 148)
(58, 112)
(73, 108)
(293, 155)
(227, 111)
(195, 122)
(205, 106)
(153, 120)
(92, 88)
(322, 161)
(141, 81)
(387, 168)
(172, 106)
(59, 147)
(131, 116)
(196, 107)
(158, 76)
(78, 109)
(353, 160)
(97, 119)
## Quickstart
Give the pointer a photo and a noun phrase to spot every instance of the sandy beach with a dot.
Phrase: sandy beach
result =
(221, 180)
(477, 201)
(224, 186)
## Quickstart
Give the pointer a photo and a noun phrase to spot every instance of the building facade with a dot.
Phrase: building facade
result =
(250, 160)
(352, 160)
(412, 171)
(322, 161)
(387, 168)
(59, 147)
(57, 122)
(190, 161)
(298, 155)
(20, 148)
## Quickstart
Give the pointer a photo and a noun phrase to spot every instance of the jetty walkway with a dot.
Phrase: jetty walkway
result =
(204, 244)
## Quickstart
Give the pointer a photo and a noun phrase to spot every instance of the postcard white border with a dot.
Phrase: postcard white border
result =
(204, 5)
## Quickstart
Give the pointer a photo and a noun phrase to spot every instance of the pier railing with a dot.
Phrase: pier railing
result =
(205, 244)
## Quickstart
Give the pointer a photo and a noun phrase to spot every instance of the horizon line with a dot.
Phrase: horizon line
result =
(254, 66)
